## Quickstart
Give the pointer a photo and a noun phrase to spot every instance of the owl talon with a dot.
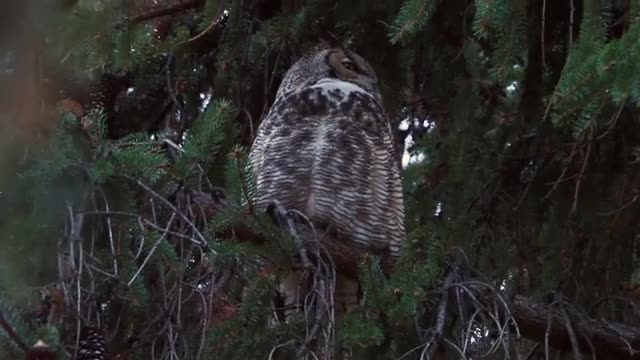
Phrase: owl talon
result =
(277, 213)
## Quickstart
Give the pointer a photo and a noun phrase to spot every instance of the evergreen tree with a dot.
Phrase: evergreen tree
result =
(127, 201)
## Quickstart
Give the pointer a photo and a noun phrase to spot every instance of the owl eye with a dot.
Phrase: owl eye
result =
(349, 65)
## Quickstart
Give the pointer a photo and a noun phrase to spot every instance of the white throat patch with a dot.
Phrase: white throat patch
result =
(329, 84)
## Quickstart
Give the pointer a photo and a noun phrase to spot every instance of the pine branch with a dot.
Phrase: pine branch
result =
(413, 15)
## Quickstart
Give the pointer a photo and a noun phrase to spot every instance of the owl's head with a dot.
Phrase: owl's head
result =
(335, 64)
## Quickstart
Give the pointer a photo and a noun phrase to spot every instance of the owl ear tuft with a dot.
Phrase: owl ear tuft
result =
(345, 70)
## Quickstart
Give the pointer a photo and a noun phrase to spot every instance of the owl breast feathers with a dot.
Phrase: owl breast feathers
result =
(326, 149)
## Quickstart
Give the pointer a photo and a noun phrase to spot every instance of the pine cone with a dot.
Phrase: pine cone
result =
(92, 345)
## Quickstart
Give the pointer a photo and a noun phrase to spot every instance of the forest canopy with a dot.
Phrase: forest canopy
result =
(126, 198)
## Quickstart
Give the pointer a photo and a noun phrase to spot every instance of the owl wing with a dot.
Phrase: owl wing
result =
(328, 151)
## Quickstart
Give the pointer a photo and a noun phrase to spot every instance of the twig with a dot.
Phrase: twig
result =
(542, 35)
(172, 145)
(76, 222)
(455, 346)
(612, 122)
(112, 246)
(168, 232)
(170, 88)
(215, 21)
(205, 323)
(203, 241)
(526, 190)
(574, 207)
(532, 351)
(591, 347)
(151, 251)
(186, 5)
(571, 15)
(441, 315)
(547, 332)
(564, 171)
(577, 355)
(629, 203)
(275, 348)
(421, 346)
(469, 333)
(622, 299)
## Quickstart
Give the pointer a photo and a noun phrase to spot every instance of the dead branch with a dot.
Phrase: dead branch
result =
(155, 13)
(609, 340)
(434, 343)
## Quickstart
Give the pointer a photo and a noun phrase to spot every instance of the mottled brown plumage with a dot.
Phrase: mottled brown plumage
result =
(326, 149)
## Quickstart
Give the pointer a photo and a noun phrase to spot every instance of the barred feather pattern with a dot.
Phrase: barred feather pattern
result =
(326, 149)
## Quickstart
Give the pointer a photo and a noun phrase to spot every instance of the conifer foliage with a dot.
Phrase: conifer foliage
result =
(128, 227)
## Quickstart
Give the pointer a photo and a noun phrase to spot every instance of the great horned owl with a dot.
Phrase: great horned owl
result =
(326, 149)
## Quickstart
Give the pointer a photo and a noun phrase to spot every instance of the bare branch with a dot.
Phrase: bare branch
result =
(173, 9)
(608, 339)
